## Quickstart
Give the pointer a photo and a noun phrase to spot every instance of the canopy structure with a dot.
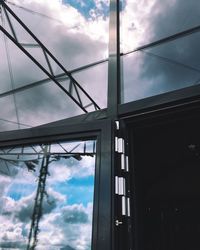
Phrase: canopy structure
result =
(87, 88)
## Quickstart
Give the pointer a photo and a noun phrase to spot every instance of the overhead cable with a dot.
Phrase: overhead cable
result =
(166, 59)
(11, 73)
(34, 12)
(166, 39)
(59, 77)
(38, 13)
(13, 122)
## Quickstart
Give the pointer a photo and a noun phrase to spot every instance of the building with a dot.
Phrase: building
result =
(141, 190)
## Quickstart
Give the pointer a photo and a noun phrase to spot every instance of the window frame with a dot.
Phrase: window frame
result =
(101, 131)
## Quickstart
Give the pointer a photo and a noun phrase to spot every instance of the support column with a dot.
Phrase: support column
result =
(114, 59)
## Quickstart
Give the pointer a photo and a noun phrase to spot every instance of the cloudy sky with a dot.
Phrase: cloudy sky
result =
(76, 32)
(67, 209)
(169, 66)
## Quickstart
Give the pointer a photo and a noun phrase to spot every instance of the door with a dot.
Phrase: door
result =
(165, 187)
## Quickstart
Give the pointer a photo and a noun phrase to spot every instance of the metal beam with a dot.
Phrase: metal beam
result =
(60, 77)
(80, 89)
(167, 39)
(114, 59)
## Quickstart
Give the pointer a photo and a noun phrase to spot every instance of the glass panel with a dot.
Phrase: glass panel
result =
(76, 34)
(95, 78)
(47, 196)
(168, 66)
(147, 21)
(45, 103)
(8, 118)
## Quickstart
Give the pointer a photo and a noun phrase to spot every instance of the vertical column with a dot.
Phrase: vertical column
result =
(113, 101)
(114, 59)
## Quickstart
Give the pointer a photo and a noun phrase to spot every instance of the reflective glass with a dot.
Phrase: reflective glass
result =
(47, 196)
(44, 103)
(75, 34)
(94, 78)
(170, 65)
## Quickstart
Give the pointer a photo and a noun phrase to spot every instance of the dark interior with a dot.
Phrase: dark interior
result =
(166, 180)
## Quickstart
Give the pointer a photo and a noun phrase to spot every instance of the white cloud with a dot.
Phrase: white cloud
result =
(64, 170)
(158, 69)
(15, 216)
(135, 23)
(4, 183)
(63, 226)
(10, 231)
(71, 227)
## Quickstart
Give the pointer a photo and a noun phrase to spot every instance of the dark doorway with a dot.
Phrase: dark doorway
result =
(166, 183)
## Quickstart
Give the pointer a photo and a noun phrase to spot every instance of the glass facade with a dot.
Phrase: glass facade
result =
(55, 63)
(171, 64)
(77, 35)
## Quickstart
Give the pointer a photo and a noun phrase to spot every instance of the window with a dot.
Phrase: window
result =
(47, 195)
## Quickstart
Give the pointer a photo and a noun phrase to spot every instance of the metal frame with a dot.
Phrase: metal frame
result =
(184, 111)
(114, 59)
(160, 102)
(75, 90)
(101, 131)
(101, 125)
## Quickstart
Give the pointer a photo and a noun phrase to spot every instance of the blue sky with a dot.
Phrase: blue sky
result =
(18, 190)
(70, 188)
(77, 190)
(85, 6)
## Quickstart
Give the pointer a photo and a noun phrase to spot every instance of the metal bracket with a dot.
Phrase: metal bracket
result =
(126, 206)
(117, 223)
(119, 145)
(117, 125)
(120, 185)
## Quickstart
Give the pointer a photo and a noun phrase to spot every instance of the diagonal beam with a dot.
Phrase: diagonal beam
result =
(49, 54)
(166, 39)
(41, 67)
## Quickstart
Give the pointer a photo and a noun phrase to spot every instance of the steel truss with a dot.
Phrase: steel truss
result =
(75, 91)
(37, 210)
(112, 217)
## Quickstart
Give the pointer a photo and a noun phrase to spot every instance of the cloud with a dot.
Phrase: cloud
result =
(148, 72)
(74, 40)
(16, 216)
(67, 248)
(4, 182)
(66, 169)
(22, 209)
(74, 215)
(61, 225)
(136, 23)
(70, 227)
(11, 234)
(12, 245)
